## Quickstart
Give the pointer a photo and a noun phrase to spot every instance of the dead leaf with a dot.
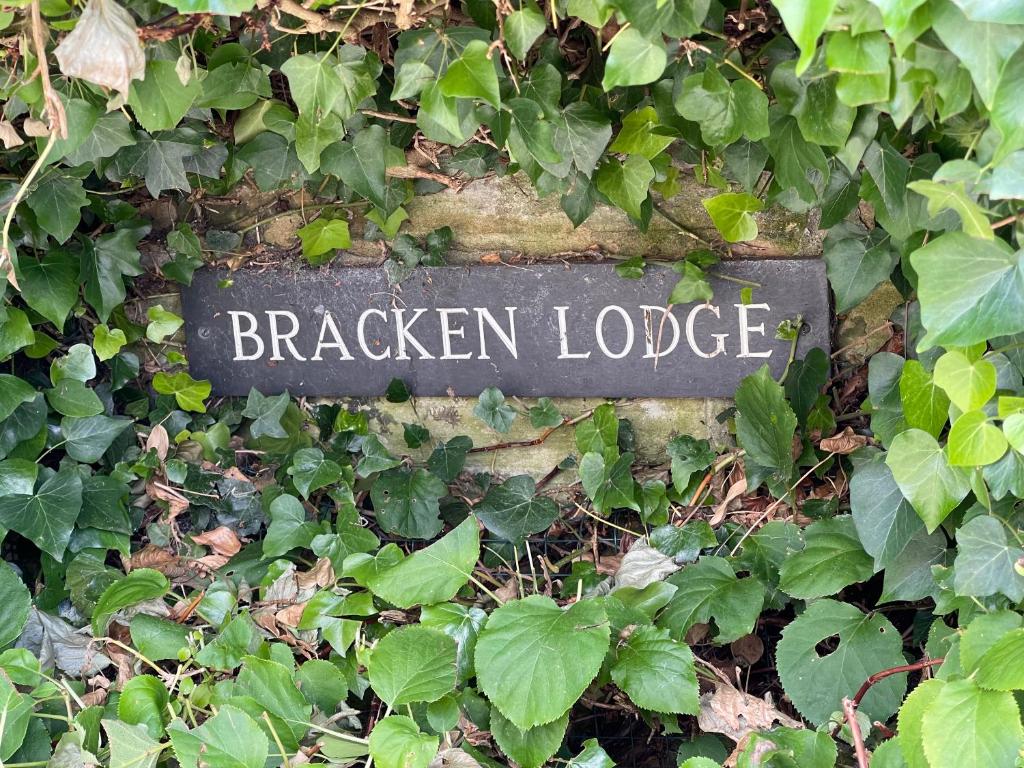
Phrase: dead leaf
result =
(222, 540)
(736, 490)
(748, 649)
(490, 258)
(453, 758)
(212, 562)
(290, 616)
(321, 575)
(643, 565)
(159, 441)
(95, 698)
(152, 556)
(36, 128)
(846, 442)
(234, 473)
(9, 136)
(735, 714)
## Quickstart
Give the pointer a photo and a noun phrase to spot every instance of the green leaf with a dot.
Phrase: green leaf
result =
(362, 164)
(970, 384)
(158, 639)
(229, 739)
(433, 574)
(87, 439)
(967, 727)
(986, 559)
(215, 7)
(161, 324)
(794, 156)
(376, 457)
(970, 290)
(522, 28)
(634, 60)
(188, 393)
(448, 459)
(805, 22)
(406, 502)
(688, 456)
(856, 266)
(816, 681)
(512, 511)
(313, 81)
(885, 521)
(143, 701)
(288, 527)
(15, 602)
(131, 746)
(534, 659)
(266, 413)
(15, 713)
(708, 590)
(656, 672)
(911, 718)
(492, 409)
(272, 685)
(925, 478)
(832, 558)
(57, 203)
(139, 585)
(530, 748)
(609, 486)
(625, 184)
(107, 342)
(323, 236)
(396, 742)
(159, 101)
(925, 404)
(730, 213)
(105, 261)
(48, 516)
(1001, 667)
(765, 423)
(412, 664)
(13, 392)
(724, 110)
(638, 136)
(974, 441)
(73, 398)
(582, 134)
(311, 471)
(472, 76)
(952, 196)
(593, 756)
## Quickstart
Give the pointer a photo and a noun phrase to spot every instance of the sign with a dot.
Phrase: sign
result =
(546, 329)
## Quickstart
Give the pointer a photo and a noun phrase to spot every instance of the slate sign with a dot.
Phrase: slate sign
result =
(545, 329)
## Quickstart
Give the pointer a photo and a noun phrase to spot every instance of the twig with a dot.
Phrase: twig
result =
(536, 440)
(165, 34)
(679, 225)
(6, 262)
(52, 104)
(879, 676)
(389, 116)
(849, 710)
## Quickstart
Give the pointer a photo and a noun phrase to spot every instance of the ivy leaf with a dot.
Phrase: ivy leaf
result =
(492, 409)
(529, 748)
(105, 262)
(709, 589)
(107, 342)
(310, 471)
(953, 196)
(313, 82)
(323, 236)
(656, 672)
(159, 101)
(138, 586)
(13, 393)
(512, 511)
(522, 28)
(805, 23)
(433, 574)
(447, 459)
(362, 164)
(15, 602)
(534, 660)
(730, 213)
(87, 439)
(406, 501)
(970, 290)
(885, 521)
(634, 60)
(765, 423)
(161, 324)
(57, 202)
(609, 487)
(967, 726)
(266, 413)
(638, 135)
(856, 266)
(925, 404)
(625, 184)
(724, 110)
(472, 76)
(832, 558)
(376, 457)
(288, 527)
(16, 711)
(397, 742)
(188, 393)
(582, 134)
(816, 681)
(969, 383)
(73, 398)
(985, 560)
(974, 441)
(793, 155)
(925, 477)
(412, 664)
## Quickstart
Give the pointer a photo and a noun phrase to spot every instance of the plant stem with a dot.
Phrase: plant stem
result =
(792, 349)
(849, 710)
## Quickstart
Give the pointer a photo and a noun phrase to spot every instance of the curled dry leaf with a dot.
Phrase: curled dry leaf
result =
(159, 441)
(844, 443)
(35, 128)
(103, 48)
(9, 136)
(733, 713)
(736, 490)
(748, 649)
(221, 540)
(643, 565)
(453, 758)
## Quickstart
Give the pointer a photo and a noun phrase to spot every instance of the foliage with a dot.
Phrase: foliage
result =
(195, 580)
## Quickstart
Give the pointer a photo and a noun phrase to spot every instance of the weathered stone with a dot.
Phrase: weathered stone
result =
(866, 328)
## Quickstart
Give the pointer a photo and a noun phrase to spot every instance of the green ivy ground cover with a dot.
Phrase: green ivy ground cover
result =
(244, 584)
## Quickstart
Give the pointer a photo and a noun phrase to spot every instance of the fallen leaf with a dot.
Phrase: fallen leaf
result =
(9, 136)
(643, 565)
(846, 442)
(290, 616)
(748, 649)
(733, 713)
(736, 490)
(159, 441)
(221, 540)
(320, 575)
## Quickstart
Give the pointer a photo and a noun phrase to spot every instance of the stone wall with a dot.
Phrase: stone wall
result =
(502, 218)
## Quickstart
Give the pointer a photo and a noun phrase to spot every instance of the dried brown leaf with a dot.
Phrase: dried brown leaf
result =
(159, 441)
(733, 713)
(222, 540)
(846, 442)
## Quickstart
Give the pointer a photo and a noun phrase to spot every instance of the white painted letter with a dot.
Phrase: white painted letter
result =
(508, 339)
(361, 335)
(239, 334)
(599, 331)
(328, 324)
(651, 332)
(563, 339)
(719, 337)
(276, 337)
(447, 332)
(746, 329)
(404, 335)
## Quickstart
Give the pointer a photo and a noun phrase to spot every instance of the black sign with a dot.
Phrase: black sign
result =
(545, 329)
